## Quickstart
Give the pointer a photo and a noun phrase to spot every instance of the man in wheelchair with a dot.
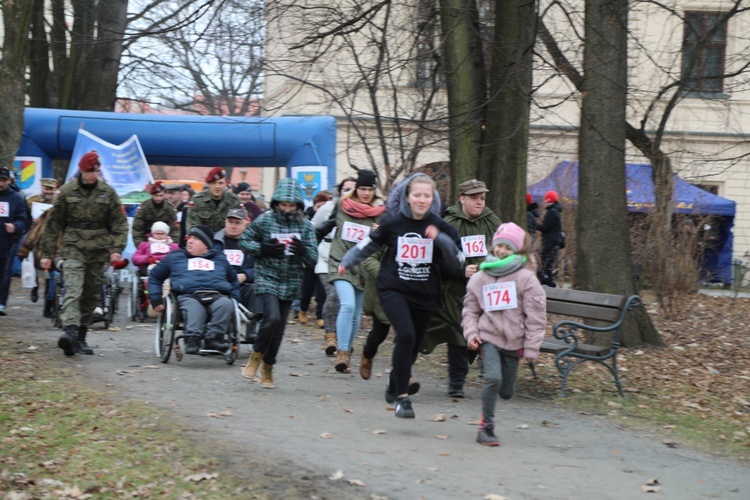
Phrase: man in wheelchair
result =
(203, 281)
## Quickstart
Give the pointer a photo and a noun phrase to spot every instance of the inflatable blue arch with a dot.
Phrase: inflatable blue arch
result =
(188, 140)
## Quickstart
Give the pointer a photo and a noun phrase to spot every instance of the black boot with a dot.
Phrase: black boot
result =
(49, 306)
(35, 294)
(83, 347)
(67, 341)
(216, 344)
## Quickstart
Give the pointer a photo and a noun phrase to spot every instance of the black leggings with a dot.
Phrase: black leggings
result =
(275, 313)
(410, 325)
(377, 336)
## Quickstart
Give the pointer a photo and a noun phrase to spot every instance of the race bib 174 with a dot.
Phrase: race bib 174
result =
(500, 296)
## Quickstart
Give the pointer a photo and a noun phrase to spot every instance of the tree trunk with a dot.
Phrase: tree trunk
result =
(465, 76)
(503, 166)
(16, 21)
(603, 258)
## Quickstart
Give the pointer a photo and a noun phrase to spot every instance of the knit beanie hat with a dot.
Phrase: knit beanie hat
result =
(204, 234)
(160, 226)
(89, 161)
(510, 234)
(367, 178)
(529, 199)
(550, 197)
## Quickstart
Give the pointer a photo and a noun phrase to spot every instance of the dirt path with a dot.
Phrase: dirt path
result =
(318, 422)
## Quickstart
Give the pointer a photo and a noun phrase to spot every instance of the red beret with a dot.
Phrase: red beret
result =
(89, 161)
(529, 199)
(157, 187)
(550, 197)
(216, 174)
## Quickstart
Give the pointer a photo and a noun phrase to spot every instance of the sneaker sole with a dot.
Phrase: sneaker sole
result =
(491, 443)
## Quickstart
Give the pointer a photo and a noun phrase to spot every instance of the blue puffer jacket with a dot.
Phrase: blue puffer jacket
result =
(14, 211)
(174, 266)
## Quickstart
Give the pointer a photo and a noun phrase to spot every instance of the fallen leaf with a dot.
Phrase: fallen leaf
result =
(379, 431)
(493, 496)
(442, 436)
(336, 475)
(326, 435)
(522, 426)
(671, 443)
(653, 481)
(197, 478)
(349, 410)
(295, 374)
(650, 489)
(357, 482)
(223, 414)
(440, 417)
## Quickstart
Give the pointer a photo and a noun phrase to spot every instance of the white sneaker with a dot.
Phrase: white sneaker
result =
(2, 310)
(98, 311)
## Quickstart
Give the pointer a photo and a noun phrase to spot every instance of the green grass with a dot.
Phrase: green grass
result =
(59, 438)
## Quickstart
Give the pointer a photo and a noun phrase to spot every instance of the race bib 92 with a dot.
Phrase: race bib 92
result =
(235, 257)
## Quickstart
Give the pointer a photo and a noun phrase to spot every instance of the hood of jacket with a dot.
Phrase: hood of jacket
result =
(556, 206)
(288, 190)
(396, 202)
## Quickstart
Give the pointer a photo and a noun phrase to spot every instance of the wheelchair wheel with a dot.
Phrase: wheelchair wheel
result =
(133, 298)
(165, 332)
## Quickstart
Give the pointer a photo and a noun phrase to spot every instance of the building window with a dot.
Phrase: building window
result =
(426, 54)
(704, 52)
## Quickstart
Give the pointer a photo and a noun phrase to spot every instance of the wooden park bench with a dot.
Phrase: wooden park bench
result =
(604, 310)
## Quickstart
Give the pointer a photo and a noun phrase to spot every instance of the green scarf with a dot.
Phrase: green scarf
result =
(497, 267)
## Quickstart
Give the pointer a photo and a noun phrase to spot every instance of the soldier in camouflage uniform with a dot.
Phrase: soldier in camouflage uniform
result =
(210, 207)
(157, 209)
(94, 230)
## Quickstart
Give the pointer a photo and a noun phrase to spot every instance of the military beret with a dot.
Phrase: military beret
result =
(216, 174)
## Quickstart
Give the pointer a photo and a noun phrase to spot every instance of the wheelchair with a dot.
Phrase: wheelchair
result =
(108, 302)
(138, 306)
(171, 321)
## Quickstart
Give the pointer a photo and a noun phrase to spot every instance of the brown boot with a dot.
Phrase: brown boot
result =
(365, 367)
(266, 376)
(251, 368)
(342, 361)
(302, 317)
(330, 343)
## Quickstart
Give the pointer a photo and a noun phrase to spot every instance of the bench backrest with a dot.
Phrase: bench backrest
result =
(585, 305)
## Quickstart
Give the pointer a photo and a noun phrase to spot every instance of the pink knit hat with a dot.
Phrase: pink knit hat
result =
(510, 234)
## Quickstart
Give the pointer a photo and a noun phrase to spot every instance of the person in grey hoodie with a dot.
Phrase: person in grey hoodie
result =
(420, 245)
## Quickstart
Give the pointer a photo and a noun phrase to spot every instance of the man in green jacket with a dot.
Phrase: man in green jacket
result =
(475, 224)
(210, 207)
(157, 209)
(94, 231)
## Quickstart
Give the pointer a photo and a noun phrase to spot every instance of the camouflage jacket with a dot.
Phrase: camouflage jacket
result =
(203, 210)
(147, 214)
(92, 223)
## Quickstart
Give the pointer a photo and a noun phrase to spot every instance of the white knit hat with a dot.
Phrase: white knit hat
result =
(160, 227)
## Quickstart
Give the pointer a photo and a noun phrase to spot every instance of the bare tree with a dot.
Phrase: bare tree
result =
(603, 258)
(375, 65)
(16, 20)
(688, 67)
(204, 58)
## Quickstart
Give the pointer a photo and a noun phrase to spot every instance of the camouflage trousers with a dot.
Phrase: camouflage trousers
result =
(83, 291)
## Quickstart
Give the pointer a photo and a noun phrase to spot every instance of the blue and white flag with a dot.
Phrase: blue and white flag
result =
(124, 167)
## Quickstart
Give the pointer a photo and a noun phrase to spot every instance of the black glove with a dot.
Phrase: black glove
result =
(297, 247)
(272, 249)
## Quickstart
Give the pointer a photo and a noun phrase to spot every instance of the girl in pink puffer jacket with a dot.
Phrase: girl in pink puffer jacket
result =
(504, 317)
